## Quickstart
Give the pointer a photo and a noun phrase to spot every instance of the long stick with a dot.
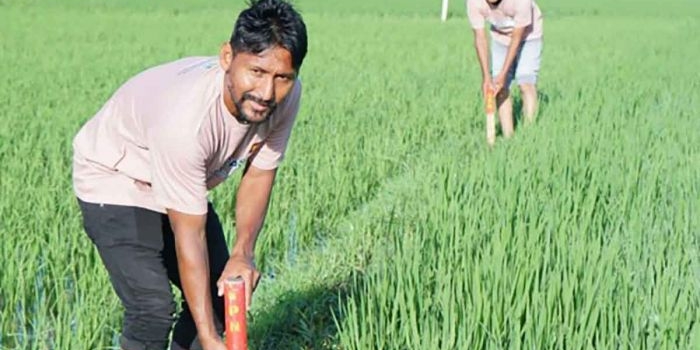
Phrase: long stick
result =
(235, 304)
(490, 117)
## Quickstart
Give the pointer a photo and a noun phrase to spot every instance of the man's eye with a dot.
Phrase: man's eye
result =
(256, 71)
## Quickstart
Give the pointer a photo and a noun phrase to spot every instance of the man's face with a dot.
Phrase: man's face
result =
(256, 84)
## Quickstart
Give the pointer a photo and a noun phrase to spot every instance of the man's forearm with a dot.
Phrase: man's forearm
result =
(193, 266)
(481, 45)
(515, 41)
(252, 201)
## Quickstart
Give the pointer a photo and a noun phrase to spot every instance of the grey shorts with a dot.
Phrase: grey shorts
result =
(526, 65)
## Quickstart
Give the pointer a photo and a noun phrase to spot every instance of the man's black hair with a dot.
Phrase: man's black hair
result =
(268, 23)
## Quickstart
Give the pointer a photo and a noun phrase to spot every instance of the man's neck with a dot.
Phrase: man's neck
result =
(493, 5)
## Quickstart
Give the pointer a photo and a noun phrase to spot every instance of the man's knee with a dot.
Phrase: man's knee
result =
(147, 324)
(528, 88)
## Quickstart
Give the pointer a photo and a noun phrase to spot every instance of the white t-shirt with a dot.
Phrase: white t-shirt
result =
(165, 138)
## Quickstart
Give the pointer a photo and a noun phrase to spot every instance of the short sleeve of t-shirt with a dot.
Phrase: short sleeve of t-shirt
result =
(475, 12)
(272, 151)
(523, 13)
(178, 170)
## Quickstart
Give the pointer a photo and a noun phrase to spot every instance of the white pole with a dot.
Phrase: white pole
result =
(443, 16)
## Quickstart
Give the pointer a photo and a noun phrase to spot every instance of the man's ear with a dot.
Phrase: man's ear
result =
(225, 56)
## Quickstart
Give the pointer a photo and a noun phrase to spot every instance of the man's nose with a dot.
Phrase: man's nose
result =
(266, 90)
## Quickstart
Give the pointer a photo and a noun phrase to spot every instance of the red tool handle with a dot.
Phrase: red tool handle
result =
(235, 304)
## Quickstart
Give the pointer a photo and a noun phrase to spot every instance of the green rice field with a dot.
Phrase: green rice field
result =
(392, 224)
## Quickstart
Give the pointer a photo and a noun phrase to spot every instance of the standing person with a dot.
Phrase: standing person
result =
(516, 48)
(144, 163)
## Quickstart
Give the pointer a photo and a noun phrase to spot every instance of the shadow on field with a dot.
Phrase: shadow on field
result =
(299, 320)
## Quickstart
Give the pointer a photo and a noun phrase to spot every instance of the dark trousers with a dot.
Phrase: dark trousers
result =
(137, 247)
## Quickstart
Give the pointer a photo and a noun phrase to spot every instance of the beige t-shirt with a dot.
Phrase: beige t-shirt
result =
(507, 15)
(165, 138)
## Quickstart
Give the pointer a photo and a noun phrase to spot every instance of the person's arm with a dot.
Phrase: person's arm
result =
(192, 262)
(515, 41)
(254, 192)
(482, 47)
(477, 13)
(252, 201)
(178, 173)
(522, 19)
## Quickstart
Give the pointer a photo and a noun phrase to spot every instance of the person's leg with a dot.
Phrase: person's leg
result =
(526, 74)
(185, 331)
(505, 112)
(504, 102)
(129, 241)
(529, 94)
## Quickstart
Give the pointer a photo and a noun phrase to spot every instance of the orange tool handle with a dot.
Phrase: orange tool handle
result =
(235, 304)
(490, 102)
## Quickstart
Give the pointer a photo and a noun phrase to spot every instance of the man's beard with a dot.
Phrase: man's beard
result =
(242, 117)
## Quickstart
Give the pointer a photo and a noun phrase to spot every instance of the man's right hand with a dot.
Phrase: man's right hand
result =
(487, 85)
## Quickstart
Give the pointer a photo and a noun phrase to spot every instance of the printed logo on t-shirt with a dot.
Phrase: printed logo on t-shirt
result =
(233, 163)
(229, 167)
(254, 149)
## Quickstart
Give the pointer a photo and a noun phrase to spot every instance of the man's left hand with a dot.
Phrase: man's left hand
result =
(499, 83)
(244, 267)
